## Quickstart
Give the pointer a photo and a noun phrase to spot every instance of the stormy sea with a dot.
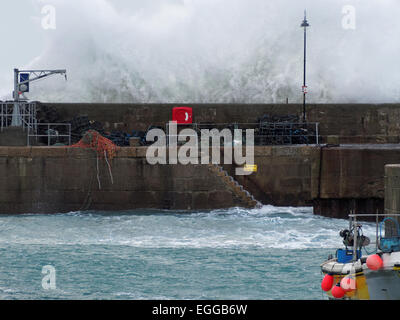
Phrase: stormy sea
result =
(266, 253)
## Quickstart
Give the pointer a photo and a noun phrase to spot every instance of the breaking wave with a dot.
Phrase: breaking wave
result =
(219, 51)
(268, 227)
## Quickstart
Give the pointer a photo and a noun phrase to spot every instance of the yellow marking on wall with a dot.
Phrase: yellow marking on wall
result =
(250, 167)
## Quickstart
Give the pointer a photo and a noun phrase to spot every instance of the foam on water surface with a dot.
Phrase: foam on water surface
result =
(266, 253)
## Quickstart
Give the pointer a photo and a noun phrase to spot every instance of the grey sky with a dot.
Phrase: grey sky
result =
(22, 38)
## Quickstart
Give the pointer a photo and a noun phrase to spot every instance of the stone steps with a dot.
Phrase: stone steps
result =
(243, 195)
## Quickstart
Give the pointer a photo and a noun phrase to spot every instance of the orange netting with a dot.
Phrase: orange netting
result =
(94, 140)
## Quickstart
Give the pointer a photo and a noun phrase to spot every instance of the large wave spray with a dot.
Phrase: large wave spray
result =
(220, 51)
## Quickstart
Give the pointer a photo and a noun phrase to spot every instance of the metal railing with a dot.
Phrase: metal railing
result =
(27, 114)
(278, 133)
(265, 133)
(353, 224)
(50, 133)
(29, 123)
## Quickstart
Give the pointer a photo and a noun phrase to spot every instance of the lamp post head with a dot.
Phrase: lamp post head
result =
(305, 22)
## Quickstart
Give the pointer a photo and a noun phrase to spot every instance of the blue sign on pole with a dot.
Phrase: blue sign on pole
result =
(24, 77)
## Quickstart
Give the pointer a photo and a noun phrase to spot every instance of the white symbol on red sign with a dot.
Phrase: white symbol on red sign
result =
(182, 115)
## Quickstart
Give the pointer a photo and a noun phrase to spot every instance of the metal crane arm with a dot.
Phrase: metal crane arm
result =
(40, 74)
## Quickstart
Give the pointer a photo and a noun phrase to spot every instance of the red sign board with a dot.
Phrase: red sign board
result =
(182, 115)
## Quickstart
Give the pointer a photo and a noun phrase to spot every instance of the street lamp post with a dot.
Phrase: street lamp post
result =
(304, 25)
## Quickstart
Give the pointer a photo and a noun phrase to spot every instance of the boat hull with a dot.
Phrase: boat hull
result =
(383, 284)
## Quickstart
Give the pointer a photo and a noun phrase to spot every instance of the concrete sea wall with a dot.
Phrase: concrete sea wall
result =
(352, 178)
(58, 179)
(333, 179)
(392, 198)
(351, 123)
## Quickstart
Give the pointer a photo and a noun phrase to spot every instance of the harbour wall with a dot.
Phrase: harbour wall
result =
(335, 180)
(392, 197)
(346, 123)
(60, 179)
(352, 179)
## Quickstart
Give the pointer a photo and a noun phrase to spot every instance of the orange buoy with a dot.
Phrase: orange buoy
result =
(348, 283)
(338, 292)
(327, 282)
(374, 262)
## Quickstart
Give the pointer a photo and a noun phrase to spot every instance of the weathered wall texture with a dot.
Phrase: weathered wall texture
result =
(285, 176)
(58, 179)
(353, 123)
(392, 198)
(352, 179)
(335, 180)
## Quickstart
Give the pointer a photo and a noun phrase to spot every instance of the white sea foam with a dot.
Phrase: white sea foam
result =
(268, 227)
(219, 51)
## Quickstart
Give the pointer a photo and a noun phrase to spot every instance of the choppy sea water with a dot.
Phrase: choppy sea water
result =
(267, 253)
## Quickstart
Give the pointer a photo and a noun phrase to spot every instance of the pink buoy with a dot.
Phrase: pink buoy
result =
(338, 292)
(327, 282)
(374, 262)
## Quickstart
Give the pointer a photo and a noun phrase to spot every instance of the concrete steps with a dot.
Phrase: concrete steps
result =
(243, 195)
